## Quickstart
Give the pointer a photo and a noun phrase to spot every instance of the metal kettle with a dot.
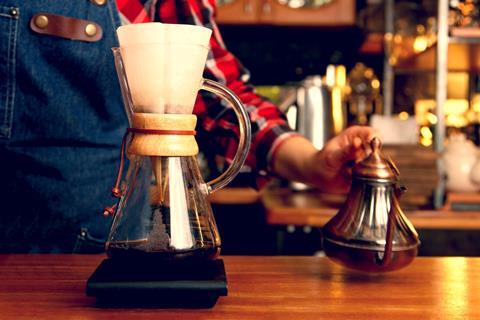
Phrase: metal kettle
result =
(370, 232)
(313, 111)
(317, 112)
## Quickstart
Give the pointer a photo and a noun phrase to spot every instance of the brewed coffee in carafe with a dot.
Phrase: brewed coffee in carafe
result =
(172, 217)
(163, 209)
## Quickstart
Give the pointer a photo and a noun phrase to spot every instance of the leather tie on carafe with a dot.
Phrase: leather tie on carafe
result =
(116, 191)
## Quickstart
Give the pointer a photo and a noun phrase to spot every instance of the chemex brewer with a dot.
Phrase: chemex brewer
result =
(163, 212)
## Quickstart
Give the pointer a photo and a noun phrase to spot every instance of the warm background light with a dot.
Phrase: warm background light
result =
(455, 112)
(403, 115)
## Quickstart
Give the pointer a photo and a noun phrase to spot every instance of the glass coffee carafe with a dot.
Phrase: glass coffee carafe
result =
(163, 210)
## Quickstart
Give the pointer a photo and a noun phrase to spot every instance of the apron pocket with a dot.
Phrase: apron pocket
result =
(8, 39)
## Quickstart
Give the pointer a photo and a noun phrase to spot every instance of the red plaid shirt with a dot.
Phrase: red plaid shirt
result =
(218, 125)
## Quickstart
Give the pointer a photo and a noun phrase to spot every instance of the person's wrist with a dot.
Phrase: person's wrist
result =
(314, 169)
(324, 176)
(293, 159)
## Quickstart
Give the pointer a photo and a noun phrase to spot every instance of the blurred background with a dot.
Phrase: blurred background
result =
(411, 69)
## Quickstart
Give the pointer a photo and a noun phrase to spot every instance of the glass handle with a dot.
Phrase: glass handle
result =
(245, 133)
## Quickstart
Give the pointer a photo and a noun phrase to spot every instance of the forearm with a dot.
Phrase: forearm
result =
(328, 169)
(293, 160)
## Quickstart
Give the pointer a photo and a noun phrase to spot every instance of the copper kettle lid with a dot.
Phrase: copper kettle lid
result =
(375, 166)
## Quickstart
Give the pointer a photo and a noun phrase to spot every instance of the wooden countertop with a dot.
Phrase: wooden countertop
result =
(233, 196)
(52, 287)
(286, 207)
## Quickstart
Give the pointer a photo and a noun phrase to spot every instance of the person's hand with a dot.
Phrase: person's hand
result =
(331, 167)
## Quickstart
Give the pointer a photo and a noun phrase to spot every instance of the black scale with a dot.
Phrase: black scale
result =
(150, 282)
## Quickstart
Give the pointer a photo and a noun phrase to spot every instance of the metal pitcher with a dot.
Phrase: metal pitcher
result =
(312, 111)
(371, 232)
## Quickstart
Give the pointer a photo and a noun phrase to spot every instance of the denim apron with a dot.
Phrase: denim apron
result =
(61, 123)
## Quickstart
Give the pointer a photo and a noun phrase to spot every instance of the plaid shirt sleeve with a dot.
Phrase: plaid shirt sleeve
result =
(218, 132)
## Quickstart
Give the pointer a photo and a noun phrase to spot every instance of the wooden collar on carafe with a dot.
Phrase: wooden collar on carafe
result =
(166, 135)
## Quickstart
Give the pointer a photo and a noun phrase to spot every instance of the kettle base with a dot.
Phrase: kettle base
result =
(367, 260)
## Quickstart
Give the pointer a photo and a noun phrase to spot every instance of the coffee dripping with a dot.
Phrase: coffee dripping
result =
(370, 232)
(163, 242)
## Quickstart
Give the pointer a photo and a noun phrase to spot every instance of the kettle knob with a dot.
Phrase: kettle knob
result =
(376, 145)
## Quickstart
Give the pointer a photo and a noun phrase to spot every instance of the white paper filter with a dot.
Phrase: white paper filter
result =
(164, 65)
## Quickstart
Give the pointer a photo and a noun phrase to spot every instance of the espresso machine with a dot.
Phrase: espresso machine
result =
(164, 244)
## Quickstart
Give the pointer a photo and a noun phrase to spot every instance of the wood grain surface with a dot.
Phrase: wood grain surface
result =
(235, 196)
(52, 287)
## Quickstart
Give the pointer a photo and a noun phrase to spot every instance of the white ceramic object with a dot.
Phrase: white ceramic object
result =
(462, 166)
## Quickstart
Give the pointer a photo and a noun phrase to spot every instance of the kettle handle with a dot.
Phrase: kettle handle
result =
(245, 134)
(398, 191)
(387, 252)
